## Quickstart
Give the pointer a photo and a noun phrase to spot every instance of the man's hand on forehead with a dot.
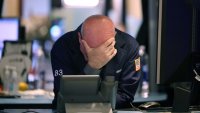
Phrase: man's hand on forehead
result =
(101, 55)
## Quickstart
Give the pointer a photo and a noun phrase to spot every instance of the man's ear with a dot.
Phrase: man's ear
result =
(80, 40)
(82, 48)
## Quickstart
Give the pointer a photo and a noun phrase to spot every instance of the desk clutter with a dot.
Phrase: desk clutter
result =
(36, 93)
(28, 94)
(15, 65)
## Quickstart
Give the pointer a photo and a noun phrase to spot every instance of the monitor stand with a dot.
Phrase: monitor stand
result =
(88, 108)
(181, 101)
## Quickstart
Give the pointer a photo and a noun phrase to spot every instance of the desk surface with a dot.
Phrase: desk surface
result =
(154, 96)
(35, 100)
(44, 102)
(19, 103)
(28, 100)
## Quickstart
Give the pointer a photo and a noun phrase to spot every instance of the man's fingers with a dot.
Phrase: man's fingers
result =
(110, 47)
(113, 53)
(112, 44)
(109, 42)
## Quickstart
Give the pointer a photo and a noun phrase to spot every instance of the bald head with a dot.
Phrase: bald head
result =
(97, 29)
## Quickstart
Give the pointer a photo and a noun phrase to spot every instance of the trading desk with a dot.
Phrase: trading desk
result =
(42, 104)
(38, 99)
(44, 100)
(20, 103)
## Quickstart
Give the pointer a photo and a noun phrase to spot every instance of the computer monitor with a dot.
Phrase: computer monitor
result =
(9, 30)
(86, 89)
(79, 88)
(174, 43)
(175, 49)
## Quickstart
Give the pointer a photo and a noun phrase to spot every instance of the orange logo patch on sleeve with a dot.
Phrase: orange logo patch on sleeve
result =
(137, 64)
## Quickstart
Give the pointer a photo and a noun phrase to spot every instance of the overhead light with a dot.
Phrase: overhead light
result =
(81, 3)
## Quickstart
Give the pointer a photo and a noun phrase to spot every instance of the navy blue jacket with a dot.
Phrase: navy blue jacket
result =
(67, 59)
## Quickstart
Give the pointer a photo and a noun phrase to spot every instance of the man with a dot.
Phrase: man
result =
(96, 47)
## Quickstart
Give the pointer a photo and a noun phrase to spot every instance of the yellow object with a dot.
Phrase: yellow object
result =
(23, 86)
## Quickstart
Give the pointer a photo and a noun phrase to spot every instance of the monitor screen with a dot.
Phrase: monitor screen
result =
(174, 41)
(75, 86)
(9, 30)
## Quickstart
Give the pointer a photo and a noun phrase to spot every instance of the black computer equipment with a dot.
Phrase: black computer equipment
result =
(195, 89)
(79, 88)
(86, 89)
(175, 49)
